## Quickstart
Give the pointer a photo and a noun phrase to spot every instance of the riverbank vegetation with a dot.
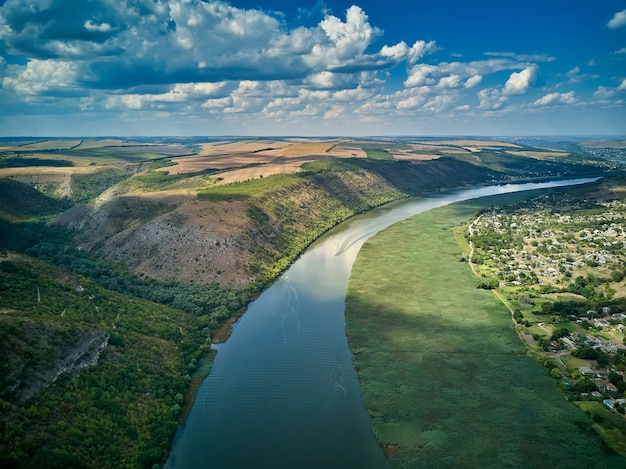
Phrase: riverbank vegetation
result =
(443, 373)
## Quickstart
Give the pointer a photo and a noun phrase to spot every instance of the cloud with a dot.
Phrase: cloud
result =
(352, 36)
(398, 52)
(41, 76)
(451, 81)
(519, 82)
(420, 49)
(127, 44)
(605, 92)
(180, 93)
(491, 99)
(618, 20)
(574, 71)
(522, 57)
(411, 99)
(103, 27)
(213, 62)
(473, 81)
(556, 98)
(421, 74)
(620, 51)
(330, 80)
(219, 103)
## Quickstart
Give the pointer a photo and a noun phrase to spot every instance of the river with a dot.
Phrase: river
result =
(282, 392)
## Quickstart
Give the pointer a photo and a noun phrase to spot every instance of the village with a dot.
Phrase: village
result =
(558, 261)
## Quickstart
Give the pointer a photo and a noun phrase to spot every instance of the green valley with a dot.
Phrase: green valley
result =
(123, 260)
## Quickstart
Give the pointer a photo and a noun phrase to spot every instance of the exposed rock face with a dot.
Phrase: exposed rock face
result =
(85, 353)
(177, 238)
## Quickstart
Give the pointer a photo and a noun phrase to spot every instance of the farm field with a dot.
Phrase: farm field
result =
(238, 160)
(443, 373)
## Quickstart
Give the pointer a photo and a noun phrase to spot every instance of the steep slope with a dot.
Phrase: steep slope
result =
(236, 234)
(88, 377)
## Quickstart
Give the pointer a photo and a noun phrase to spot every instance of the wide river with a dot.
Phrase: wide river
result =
(282, 392)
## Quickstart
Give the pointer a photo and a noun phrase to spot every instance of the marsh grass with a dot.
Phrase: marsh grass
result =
(442, 371)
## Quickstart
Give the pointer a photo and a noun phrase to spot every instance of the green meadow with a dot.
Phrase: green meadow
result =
(443, 374)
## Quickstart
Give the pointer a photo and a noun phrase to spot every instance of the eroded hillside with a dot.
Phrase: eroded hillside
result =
(175, 218)
(236, 234)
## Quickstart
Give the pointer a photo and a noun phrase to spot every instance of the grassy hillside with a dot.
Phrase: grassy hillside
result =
(287, 212)
(21, 202)
(443, 373)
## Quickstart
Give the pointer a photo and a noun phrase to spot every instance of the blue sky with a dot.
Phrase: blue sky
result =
(279, 67)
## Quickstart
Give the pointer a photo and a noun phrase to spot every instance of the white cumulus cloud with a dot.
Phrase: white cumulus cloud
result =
(420, 75)
(519, 82)
(618, 20)
(399, 51)
(352, 36)
(491, 99)
(102, 27)
(556, 98)
(420, 49)
(450, 81)
(39, 76)
(473, 81)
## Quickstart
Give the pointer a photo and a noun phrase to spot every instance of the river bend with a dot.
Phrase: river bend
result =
(282, 392)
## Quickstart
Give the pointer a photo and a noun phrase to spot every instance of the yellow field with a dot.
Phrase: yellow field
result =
(47, 170)
(479, 143)
(345, 151)
(247, 146)
(302, 149)
(270, 156)
(406, 156)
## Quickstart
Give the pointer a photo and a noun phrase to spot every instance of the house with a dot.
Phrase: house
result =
(610, 387)
(586, 371)
(596, 394)
(609, 403)
(600, 323)
(569, 342)
(609, 348)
